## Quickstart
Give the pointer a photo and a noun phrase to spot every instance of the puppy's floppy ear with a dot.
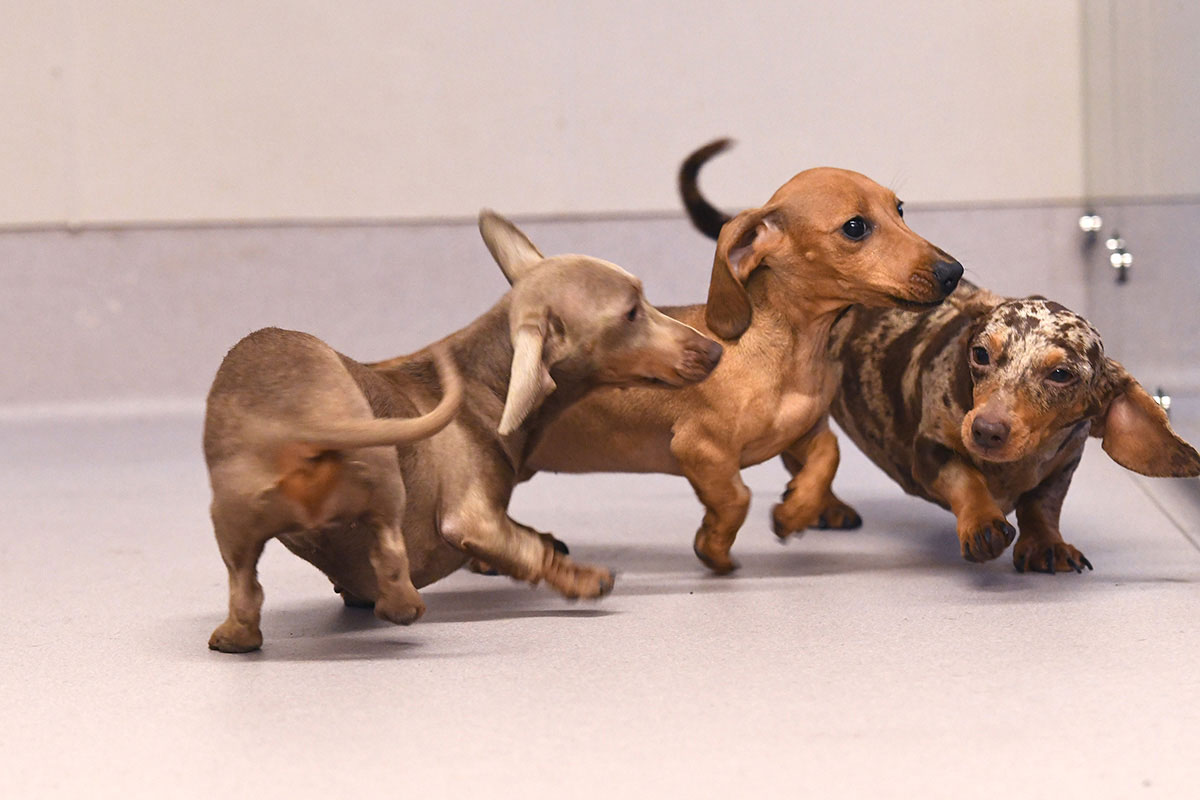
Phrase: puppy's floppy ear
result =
(512, 249)
(745, 241)
(1137, 435)
(529, 381)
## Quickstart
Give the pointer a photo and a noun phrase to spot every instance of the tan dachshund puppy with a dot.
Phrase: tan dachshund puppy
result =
(984, 405)
(782, 274)
(302, 443)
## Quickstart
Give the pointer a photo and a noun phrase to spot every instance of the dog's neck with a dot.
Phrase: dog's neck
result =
(484, 353)
(805, 300)
(804, 326)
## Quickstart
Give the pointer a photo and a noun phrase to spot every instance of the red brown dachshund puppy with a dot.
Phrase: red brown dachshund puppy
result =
(782, 274)
(302, 445)
(984, 405)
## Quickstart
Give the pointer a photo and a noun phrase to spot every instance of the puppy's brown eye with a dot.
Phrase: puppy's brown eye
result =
(855, 229)
(1061, 375)
(633, 313)
(900, 209)
(980, 356)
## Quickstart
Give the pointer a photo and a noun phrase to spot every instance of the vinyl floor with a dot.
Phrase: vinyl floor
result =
(874, 663)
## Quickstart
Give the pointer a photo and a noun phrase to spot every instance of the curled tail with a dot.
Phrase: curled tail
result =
(704, 216)
(386, 430)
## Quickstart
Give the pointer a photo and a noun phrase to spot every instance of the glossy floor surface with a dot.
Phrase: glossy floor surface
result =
(869, 664)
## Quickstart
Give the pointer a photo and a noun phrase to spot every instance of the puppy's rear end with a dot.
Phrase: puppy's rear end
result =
(292, 444)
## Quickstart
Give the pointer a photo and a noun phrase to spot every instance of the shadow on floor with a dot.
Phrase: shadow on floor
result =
(325, 630)
(316, 630)
(899, 538)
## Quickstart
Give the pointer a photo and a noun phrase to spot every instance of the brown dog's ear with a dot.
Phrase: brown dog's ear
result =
(744, 242)
(1138, 436)
(512, 249)
(529, 382)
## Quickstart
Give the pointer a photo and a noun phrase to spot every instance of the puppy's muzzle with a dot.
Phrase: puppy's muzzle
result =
(699, 359)
(933, 284)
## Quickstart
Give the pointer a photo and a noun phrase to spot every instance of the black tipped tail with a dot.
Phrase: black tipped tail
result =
(704, 216)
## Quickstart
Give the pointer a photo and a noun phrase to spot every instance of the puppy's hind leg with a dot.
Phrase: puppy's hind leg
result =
(241, 546)
(809, 500)
(398, 600)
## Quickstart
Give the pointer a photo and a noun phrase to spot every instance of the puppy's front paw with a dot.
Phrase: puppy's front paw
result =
(983, 541)
(1036, 555)
(233, 637)
(574, 580)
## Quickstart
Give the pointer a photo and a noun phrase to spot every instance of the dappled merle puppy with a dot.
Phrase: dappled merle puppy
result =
(983, 406)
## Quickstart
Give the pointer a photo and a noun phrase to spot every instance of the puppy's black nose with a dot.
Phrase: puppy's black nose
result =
(947, 273)
(989, 433)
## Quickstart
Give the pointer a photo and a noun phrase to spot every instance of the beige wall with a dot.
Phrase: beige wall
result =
(1142, 76)
(294, 109)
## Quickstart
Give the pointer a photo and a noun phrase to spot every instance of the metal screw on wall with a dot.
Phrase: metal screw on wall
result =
(1119, 256)
(1090, 223)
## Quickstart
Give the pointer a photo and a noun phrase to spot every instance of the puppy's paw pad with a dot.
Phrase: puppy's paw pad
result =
(986, 541)
(1049, 558)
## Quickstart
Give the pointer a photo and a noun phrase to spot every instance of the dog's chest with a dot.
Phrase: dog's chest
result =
(781, 424)
(1008, 481)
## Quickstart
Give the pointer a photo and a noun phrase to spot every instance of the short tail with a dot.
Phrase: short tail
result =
(386, 430)
(707, 218)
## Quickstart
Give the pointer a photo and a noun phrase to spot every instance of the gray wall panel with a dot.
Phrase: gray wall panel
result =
(1152, 321)
(144, 315)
